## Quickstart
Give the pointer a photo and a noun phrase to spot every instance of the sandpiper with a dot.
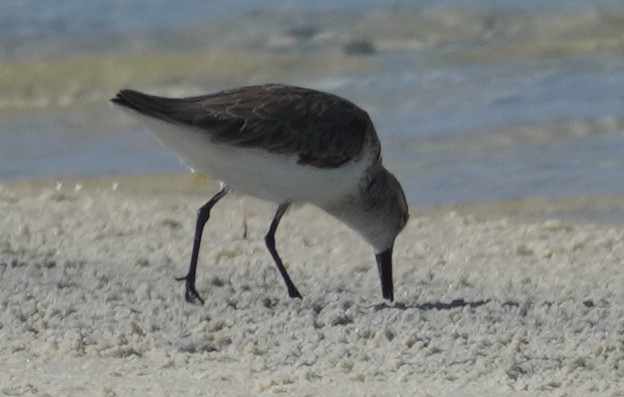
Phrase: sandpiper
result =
(288, 145)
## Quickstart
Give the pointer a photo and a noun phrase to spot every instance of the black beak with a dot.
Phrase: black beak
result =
(384, 264)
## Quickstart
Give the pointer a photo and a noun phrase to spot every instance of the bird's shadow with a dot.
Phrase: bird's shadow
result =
(437, 305)
(461, 303)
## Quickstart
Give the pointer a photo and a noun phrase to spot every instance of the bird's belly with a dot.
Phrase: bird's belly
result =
(270, 176)
(278, 177)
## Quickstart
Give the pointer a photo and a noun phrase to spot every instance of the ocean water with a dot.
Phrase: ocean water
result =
(473, 100)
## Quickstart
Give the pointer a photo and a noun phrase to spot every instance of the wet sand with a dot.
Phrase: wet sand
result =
(491, 299)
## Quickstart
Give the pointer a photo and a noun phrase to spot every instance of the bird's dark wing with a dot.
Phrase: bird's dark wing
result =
(323, 129)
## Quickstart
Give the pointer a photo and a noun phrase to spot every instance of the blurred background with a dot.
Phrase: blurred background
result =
(473, 100)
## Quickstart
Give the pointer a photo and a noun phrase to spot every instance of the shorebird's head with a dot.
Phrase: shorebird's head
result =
(385, 212)
(378, 214)
(388, 215)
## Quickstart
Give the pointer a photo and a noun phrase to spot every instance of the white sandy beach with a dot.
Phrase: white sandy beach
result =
(485, 306)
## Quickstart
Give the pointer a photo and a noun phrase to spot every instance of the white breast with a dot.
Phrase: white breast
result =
(255, 172)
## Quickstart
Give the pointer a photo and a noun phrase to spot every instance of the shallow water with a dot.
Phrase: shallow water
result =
(478, 100)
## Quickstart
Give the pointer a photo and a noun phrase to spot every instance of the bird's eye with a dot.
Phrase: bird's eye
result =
(404, 218)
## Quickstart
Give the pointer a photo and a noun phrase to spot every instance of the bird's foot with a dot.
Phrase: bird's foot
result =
(191, 295)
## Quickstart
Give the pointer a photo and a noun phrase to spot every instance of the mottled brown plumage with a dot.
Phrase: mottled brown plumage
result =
(325, 130)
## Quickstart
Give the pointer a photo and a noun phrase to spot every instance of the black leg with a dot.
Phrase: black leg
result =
(269, 239)
(203, 214)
